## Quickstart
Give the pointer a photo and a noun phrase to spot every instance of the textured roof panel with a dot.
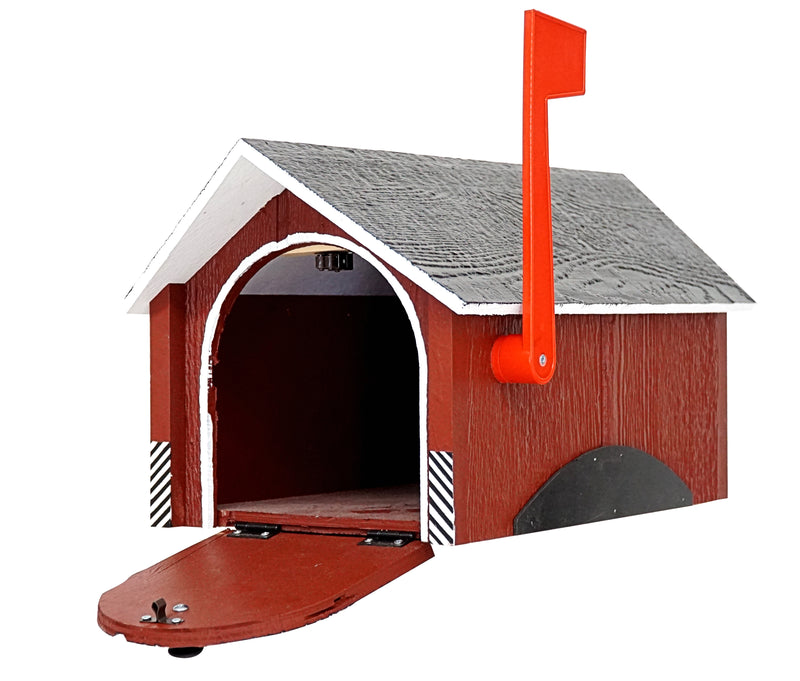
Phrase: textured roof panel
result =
(460, 222)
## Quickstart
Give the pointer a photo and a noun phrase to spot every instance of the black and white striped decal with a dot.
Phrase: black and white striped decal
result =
(160, 477)
(441, 506)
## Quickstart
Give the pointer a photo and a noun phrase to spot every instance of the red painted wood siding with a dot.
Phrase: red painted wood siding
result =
(438, 332)
(655, 382)
(168, 385)
(243, 588)
(282, 216)
(201, 291)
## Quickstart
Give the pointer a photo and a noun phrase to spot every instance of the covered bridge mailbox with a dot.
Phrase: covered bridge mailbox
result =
(322, 331)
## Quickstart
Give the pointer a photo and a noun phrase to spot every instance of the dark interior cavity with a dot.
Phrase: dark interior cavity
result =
(315, 393)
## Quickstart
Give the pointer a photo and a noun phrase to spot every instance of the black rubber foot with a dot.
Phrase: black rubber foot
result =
(185, 652)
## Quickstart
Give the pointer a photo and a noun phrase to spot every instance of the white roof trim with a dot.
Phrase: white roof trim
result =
(650, 308)
(232, 196)
(246, 180)
(235, 193)
(499, 309)
(502, 309)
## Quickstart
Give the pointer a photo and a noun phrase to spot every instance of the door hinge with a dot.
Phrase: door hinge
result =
(387, 538)
(254, 531)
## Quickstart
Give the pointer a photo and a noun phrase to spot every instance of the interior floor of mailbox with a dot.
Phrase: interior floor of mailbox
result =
(386, 508)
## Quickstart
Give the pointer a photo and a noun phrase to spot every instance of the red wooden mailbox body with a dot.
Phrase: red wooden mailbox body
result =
(322, 324)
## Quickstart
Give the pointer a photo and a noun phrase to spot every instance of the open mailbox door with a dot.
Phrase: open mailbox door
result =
(253, 582)
(320, 554)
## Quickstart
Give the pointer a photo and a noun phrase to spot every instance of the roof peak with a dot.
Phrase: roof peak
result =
(262, 145)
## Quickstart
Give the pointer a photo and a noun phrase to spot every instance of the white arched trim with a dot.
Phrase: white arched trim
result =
(206, 424)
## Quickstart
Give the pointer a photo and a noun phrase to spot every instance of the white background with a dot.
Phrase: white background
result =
(114, 116)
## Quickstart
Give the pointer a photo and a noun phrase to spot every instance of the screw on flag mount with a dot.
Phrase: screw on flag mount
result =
(554, 66)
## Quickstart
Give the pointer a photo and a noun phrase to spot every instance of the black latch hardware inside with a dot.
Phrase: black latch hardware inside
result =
(387, 538)
(334, 261)
(254, 531)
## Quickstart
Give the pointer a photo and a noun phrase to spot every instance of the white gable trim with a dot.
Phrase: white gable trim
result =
(233, 195)
(245, 181)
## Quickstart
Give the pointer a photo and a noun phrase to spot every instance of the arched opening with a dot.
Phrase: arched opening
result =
(316, 409)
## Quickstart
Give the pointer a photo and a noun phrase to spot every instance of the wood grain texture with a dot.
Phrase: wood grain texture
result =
(243, 588)
(653, 382)
(353, 511)
(439, 343)
(160, 367)
(168, 386)
(282, 216)
(672, 376)
(315, 394)
(509, 438)
(721, 344)
(201, 292)
(460, 222)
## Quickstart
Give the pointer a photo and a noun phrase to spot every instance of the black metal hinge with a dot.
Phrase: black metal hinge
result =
(254, 531)
(387, 538)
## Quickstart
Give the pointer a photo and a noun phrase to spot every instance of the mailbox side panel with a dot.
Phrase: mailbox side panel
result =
(653, 382)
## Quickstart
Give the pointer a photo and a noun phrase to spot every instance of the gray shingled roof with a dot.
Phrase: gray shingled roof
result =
(459, 221)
